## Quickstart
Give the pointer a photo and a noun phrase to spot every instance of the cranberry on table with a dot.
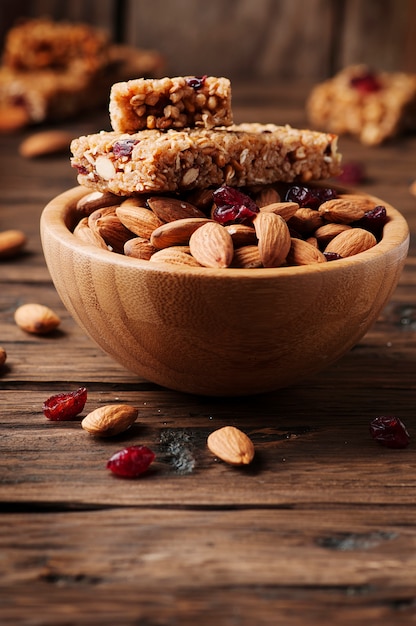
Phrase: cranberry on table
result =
(131, 461)
(65, 406)
(389, 431)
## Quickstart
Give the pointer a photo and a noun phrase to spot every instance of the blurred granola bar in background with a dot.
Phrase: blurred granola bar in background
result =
(54, 70)
(373, 106)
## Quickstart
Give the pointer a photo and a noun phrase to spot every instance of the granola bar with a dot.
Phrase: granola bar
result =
(238, 155)
(373, 106)
(179, 102)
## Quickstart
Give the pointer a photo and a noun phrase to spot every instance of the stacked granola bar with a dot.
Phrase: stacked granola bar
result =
(176, 134)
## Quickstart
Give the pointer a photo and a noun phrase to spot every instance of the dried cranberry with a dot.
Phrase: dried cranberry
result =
(374, 220)
(233, 206)
(124, 147)
(332, 256)
(196, 82)
(310, 197)
(65, 406)
(366, 83)
(353, 173)
(389, 431)
(131, 462)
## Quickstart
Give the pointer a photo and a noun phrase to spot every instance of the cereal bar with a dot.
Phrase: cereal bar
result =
(173, 160)
(179, 102)
(373, 106)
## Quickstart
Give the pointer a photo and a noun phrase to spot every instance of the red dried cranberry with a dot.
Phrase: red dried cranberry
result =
(389, 431)
(374, 220)
(131, 462)
(310, 197)
(332, 256)
(366, 83)
(65, 406)
(196, 82)
(353, 173)
(124, 147)
(233, 206)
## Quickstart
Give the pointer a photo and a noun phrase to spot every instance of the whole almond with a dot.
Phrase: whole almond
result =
(324, 234)
(45, 142)
(170, 209)
(36, 318)
(3, 356)
(303, 253)
(88, 235)
(96, 200)
(305, 221)
(247, 257)
(212, 246)
(351, 242)
(176, 233)
(11, 242)
(231, 445)
(344, 210)
(108, 225)
(285, 209)
(110, 420)
(139, 220)
(267, 196)
(241, 234)
(175, 255)
(139, 248)
(274, 238)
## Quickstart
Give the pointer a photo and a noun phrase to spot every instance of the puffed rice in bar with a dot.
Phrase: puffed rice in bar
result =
(238, 155)
(178, 102)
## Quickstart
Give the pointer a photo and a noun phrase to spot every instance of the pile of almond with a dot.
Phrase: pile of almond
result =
(185, 231)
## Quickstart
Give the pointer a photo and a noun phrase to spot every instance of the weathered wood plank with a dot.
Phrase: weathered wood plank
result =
(168, 567)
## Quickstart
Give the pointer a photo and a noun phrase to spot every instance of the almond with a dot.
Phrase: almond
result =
(105, 168)
(139, 248)
(325, 233)
(110, 420)
(107, 224)
(175, 255)
(3, 356)
(344, 210)
(96, 200)
(212, 246)
(267, 196)
(36, 318)
(303, 253)
(44, 143)
(176, 233)
(247, 257)
(138, 220)
(285, 209)
(11, 242)
(231, 445)
(274, 238)
(170, 209)
(305, 221)
(351, 242)
(83, 232)
(241, 234)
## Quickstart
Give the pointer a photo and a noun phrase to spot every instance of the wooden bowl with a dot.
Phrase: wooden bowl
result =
(220, 332)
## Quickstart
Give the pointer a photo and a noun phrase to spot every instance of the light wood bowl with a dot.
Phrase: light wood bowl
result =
(220, 332)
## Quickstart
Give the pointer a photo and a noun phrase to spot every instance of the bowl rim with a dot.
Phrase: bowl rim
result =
(55, 219)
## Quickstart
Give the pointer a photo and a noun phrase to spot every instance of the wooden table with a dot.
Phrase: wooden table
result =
(320, 529)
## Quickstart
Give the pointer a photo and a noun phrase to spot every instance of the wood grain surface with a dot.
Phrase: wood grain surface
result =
(320, 529)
